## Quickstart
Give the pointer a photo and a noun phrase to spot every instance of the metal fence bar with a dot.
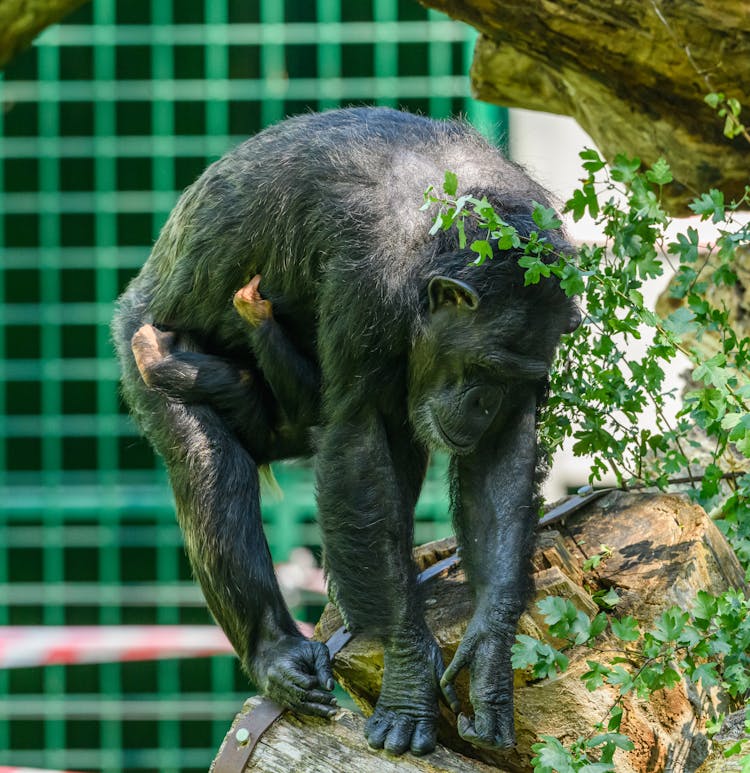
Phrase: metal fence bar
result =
(110, 114)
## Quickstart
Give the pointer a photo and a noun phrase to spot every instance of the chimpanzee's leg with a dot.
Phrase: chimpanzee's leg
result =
(368, 483)
(169, 364)
(294, 379)
(215, 482)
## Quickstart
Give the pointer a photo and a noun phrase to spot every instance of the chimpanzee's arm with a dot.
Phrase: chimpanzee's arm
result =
(493, 494)
(294, 379)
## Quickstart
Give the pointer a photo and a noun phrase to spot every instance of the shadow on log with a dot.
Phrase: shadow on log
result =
(664, 549)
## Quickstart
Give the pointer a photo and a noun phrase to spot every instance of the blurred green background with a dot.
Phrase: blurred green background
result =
(102, 122)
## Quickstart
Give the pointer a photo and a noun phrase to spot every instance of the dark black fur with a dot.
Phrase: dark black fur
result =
(416, 351)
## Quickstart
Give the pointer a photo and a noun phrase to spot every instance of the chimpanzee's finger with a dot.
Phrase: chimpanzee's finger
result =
(484, 726)
(298, 678)
(448, 693)
(459, 661)
(323, 668)
(320, 696)
(296, 697)
(466, 729)
(318, 709)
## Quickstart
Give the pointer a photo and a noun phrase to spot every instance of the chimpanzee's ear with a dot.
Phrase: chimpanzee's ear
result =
(444, 291)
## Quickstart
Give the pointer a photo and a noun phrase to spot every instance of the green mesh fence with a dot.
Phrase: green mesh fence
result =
(102, 123)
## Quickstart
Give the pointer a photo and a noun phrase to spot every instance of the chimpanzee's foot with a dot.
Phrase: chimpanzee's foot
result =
(296, 673)
(250, 305)
(150, 346)
(406, 714)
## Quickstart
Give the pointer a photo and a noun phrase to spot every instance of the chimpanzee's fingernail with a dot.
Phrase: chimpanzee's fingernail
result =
(329, 684)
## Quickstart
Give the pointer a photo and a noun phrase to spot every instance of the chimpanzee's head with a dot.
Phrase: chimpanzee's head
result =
(483, 338)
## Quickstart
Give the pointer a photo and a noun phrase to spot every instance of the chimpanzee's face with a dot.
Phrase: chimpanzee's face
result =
(469, 362)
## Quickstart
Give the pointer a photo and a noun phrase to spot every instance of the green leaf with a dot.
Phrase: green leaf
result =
(483, 249)
(705, 673)
(583, 199)
(592, 562)
(618, 739)
(461, 233)
(545, 217)
(450, 184)
(615, 718)
(535, 269)
(705, 606)
(551, 756)
(714, 99)
(595, 676)
(733, 750)
(524, 652)
(625, 629)
(669, 625)
(624, 169)
(709, 204)
(660, 173)
(556, 609)
(687, 246)
(606, 599)
(713, 372)
(571, 281)
(681, 322)
(593, 162)
(598, 624)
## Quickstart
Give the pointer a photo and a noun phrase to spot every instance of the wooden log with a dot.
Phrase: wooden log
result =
(297, 744)
(664, 549)
(633, 73)
(731, 733)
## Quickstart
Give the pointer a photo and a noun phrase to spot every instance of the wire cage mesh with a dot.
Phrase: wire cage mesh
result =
(103, 121)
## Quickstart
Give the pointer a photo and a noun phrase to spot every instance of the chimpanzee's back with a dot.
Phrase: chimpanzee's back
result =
(331, 190)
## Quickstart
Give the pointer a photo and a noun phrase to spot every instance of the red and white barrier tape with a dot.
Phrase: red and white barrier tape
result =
(6, 769)
(53, 645)
(47, 645)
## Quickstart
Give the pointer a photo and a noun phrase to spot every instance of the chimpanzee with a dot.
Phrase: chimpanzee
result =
(384, 344)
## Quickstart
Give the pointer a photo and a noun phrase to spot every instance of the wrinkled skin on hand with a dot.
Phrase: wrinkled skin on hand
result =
(296, 672)
(406, 713)
(485, 649)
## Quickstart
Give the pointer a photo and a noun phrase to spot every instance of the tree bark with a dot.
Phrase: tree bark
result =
(297, 744)
(22, 20)
(633, 73)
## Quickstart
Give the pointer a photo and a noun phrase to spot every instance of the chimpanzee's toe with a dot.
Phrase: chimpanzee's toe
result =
(424, 738)
(377, 727)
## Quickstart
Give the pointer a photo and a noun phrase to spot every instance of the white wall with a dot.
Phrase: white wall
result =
(548, 147)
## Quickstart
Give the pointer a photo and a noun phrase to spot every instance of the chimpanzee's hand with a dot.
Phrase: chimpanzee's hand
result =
(296, 673)
(406, 713)
(485, 648)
